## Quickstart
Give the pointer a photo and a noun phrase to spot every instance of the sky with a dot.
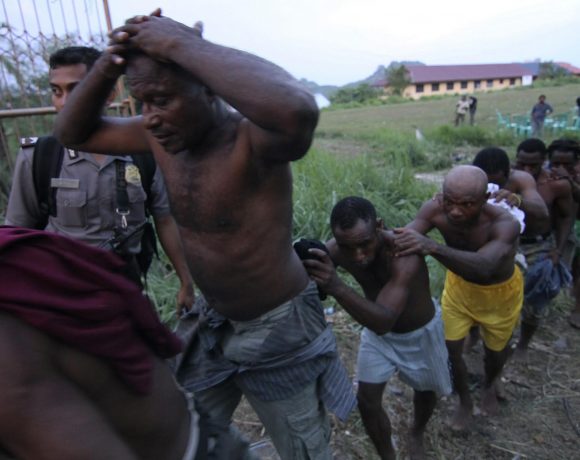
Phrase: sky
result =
(341, 41)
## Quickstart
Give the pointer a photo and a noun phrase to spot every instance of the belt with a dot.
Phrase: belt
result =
(535, 238)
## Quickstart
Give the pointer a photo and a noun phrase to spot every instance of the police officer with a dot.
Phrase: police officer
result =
(89, 187)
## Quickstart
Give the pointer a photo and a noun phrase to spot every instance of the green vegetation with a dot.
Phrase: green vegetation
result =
(375, 152)
(398, 77)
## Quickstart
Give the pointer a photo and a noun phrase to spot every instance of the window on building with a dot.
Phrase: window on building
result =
(489, 83)
(512, 81)
(449, 86)
(434, 87)
(477, 84)
(464, 85)
(501, 81)
(420, 88)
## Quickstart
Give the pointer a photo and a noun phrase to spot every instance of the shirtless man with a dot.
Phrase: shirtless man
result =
(403, 330)
(96, 391)
(230, 188)
(517, 188)
(542, 238)
(483, 286)
(564, 155)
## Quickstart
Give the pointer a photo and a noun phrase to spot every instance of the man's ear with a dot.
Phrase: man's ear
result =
(380, 224)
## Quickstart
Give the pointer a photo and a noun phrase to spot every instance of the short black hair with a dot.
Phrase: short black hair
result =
(347, 212)
(493, 160)
(564, 145)
(72, 55)
(532, 145)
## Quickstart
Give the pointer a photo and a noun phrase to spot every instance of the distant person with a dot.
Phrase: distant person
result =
(86, 191)
(542, 238)
(461, 109)
(472, 109)
(538, 115)
(259, 328)
(403, 329)
(483, 286)
(564, 155)
(577, 112)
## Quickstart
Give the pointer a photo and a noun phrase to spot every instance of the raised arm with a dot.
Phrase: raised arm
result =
(379, 316)
(481, 266)
(281, 114)
(81, 123)
(531, 201)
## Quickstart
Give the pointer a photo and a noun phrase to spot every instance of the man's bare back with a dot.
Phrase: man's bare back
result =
(59, 403)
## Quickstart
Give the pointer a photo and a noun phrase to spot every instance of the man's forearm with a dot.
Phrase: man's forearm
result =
(367, 313)
(260, 90)
(83, 110)
(170, 240)
(469, 265)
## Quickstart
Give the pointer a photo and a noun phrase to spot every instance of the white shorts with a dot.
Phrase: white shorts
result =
(420, 356)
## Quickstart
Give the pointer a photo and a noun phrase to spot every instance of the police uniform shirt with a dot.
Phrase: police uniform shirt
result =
(85, 197)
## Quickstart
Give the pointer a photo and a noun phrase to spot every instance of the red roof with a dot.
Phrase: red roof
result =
(569, 67)
(439, 73)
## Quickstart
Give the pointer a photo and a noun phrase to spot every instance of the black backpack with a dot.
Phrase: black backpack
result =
(46, 164)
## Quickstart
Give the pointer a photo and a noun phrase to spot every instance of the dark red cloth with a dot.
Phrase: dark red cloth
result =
(77, 294)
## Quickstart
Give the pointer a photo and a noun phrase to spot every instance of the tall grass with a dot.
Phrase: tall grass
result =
(385, 178)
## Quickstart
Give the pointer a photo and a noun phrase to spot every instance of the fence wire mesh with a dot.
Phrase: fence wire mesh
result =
(30, 30)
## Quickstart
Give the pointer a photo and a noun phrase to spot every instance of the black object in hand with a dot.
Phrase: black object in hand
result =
(304, 244)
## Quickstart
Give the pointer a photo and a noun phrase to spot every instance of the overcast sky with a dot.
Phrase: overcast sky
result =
(341, 41)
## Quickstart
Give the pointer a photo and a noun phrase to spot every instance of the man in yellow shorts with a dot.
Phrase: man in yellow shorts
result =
(483, 285)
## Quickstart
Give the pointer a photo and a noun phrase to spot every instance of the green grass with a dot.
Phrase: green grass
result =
(372, 152)
(429, 114)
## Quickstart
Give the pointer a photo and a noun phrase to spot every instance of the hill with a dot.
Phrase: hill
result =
(376, 78)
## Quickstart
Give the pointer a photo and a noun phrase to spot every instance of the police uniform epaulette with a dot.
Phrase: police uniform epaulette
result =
(28, 141)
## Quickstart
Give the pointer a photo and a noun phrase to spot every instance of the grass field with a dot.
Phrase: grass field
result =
(431, 113)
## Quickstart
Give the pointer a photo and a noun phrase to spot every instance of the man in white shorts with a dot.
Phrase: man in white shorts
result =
(403, 329)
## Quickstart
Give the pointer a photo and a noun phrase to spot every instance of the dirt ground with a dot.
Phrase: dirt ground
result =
(540, 418)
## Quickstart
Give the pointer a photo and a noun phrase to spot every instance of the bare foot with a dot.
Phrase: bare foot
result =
(416, 447)
(574, 319)
(461, 420)
(489, 402)
(500, 390)
(520, 355)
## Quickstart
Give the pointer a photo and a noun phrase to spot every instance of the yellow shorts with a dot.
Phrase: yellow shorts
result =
(496, 308)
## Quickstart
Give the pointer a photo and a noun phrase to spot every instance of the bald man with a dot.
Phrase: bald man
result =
(482, 287)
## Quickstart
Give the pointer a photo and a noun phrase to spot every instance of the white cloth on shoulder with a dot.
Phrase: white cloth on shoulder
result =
(517, 213)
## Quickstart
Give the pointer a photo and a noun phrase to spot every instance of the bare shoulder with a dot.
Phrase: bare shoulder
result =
(521, 180)
(431, 208)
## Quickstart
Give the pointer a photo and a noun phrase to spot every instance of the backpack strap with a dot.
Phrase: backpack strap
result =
(46, 163)
(147, 166)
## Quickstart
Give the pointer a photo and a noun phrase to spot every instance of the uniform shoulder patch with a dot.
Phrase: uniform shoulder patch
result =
(28, 141)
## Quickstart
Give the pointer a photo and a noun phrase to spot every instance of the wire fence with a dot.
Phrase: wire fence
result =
(30, 30)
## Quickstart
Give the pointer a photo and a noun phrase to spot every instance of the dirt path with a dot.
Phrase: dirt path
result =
(539, 420)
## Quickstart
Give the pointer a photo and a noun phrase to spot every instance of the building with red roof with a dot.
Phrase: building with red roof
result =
(431, 80)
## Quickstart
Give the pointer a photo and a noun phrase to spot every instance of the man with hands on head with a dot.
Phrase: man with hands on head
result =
(403, 330)
(258, 328)
(482, 286)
